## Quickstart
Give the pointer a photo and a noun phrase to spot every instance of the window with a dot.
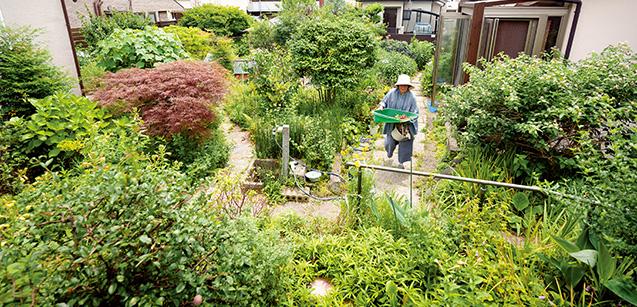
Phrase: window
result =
(406, 14)
(152, 17)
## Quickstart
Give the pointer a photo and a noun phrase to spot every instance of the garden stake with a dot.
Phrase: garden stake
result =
(411, 183)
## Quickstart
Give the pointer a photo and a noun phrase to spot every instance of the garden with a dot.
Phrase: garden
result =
(106, 199)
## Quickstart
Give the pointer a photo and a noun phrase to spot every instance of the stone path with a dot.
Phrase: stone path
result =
(423, 160)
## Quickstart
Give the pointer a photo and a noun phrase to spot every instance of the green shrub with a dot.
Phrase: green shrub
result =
(138, 48)
(123, 229)
(401, 47)
(194, 40)
(96, 28)
(27, 71)
(334, 52)
(91, 74)
(199, 44)
(60, 125)
(391, 64)
(199, 160)
(607, 195)
(222, 20)
(423, 52)
(14, 164)
(531, 106)
(261, 36)
(273, 79)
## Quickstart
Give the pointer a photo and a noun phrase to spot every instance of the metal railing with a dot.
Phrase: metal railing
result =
(465, 179)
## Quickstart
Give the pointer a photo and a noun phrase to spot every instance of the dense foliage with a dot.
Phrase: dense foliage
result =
(334, 52)
(26, 71)
(138, 48)
(391, 64)
(293, 14)
(220, 19)
(539, 107)
(202, 45)
(122, 229)
(174, 98)
(58, 127)
(96, 28)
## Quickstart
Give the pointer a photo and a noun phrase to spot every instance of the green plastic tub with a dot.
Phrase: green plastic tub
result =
(393, 116)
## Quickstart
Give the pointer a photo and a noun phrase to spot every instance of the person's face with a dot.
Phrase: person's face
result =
(403, 88)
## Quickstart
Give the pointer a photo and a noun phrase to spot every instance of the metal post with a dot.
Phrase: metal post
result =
(285, 158)
(360, 181)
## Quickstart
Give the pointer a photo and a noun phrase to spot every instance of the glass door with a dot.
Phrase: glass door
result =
(451, 52)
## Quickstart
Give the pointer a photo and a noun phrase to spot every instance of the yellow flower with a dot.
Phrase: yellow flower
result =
(358, 164)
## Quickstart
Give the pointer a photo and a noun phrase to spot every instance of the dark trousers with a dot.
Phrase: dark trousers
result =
(405, 148)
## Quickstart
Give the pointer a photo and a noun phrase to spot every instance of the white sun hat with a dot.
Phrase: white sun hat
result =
(404, 80)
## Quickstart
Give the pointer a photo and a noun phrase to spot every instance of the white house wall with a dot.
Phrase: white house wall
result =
(602, 23)
(49, 16)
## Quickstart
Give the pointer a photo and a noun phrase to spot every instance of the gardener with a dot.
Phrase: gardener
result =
(400, 98)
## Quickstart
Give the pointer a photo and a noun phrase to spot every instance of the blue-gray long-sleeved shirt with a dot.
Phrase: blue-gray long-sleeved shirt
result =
(406, 102)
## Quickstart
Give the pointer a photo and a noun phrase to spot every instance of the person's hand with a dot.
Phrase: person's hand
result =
(381, 108)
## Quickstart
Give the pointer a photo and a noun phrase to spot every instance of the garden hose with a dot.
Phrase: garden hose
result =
(362, 140)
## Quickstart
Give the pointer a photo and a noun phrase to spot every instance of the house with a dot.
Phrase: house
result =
(49, 16)
(254, 7)
(406, 18)
(161, 12)
(484, 28)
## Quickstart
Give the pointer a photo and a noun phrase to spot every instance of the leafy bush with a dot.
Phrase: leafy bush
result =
(194, 40)
(60, 124)
(138, 48)
(199, 44)
(334, 52)
(273, 79)
(178, 97)
(123, 230)
(199, 160)
(423, 52)
(607, 194)
(96, 28)
(220, 19)
(293, 14)
(26, 71)
(262, 35)
(531, 106)
(391, 64)
(14, 163)
(401, 47)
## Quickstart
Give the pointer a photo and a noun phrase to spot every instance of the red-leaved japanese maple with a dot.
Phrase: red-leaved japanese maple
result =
(177, 97)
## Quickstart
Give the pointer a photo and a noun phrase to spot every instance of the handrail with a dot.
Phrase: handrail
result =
(449, 177)
(472, 180)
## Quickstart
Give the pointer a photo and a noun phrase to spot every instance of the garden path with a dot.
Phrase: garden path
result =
(424, 160)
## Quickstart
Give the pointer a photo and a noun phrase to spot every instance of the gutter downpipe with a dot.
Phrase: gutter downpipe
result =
(571, 35)
(68, 30)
